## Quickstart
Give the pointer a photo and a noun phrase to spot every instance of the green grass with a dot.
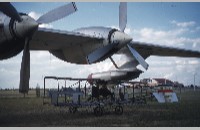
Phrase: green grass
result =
(30, 111)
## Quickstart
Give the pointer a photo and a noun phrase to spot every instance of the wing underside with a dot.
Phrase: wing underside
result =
(72, 47)
(158, 50)
(50, 39)
(146, 50)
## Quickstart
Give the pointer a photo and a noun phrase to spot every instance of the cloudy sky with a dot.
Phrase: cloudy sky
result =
(169, 24)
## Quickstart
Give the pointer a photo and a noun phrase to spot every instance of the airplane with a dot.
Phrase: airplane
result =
(86, 45)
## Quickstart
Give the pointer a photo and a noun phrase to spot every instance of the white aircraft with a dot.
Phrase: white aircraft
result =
(18, 32)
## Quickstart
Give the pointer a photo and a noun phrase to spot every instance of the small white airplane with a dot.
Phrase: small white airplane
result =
(18, 32)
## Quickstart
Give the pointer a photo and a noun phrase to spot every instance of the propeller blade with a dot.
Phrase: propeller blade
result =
(58, 13)
(122, 15)
(25, 69)
(138, 57)
(99, 54)
(10, 11)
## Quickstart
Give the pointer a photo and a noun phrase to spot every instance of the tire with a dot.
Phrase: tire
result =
(119, 110)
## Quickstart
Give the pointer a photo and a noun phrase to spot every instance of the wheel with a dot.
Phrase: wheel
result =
(98, 111)
(72, 109)
(118, 110)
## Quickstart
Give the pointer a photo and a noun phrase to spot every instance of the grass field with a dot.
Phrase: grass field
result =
(30, 112)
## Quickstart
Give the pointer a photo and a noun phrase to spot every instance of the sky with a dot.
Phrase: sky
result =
(169, 24)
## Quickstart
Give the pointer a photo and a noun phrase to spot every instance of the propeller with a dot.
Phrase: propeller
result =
(99, 54)
(122, 16)
(120, 39)
(10, 11)
(25, 28)
(122, 26)
(58, 13)
(138, 57)
(25, 68)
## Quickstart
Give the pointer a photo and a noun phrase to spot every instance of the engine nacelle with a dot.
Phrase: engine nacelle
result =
(9, 44)
(113, 76)
(76, 53)
(13, 34)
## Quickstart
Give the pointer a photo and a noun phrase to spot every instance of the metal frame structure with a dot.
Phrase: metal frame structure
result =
(63, 78)
(97, 106)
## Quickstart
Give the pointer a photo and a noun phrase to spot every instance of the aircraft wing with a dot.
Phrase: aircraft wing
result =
(146, 50)
(51, 39)
(149, 49)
